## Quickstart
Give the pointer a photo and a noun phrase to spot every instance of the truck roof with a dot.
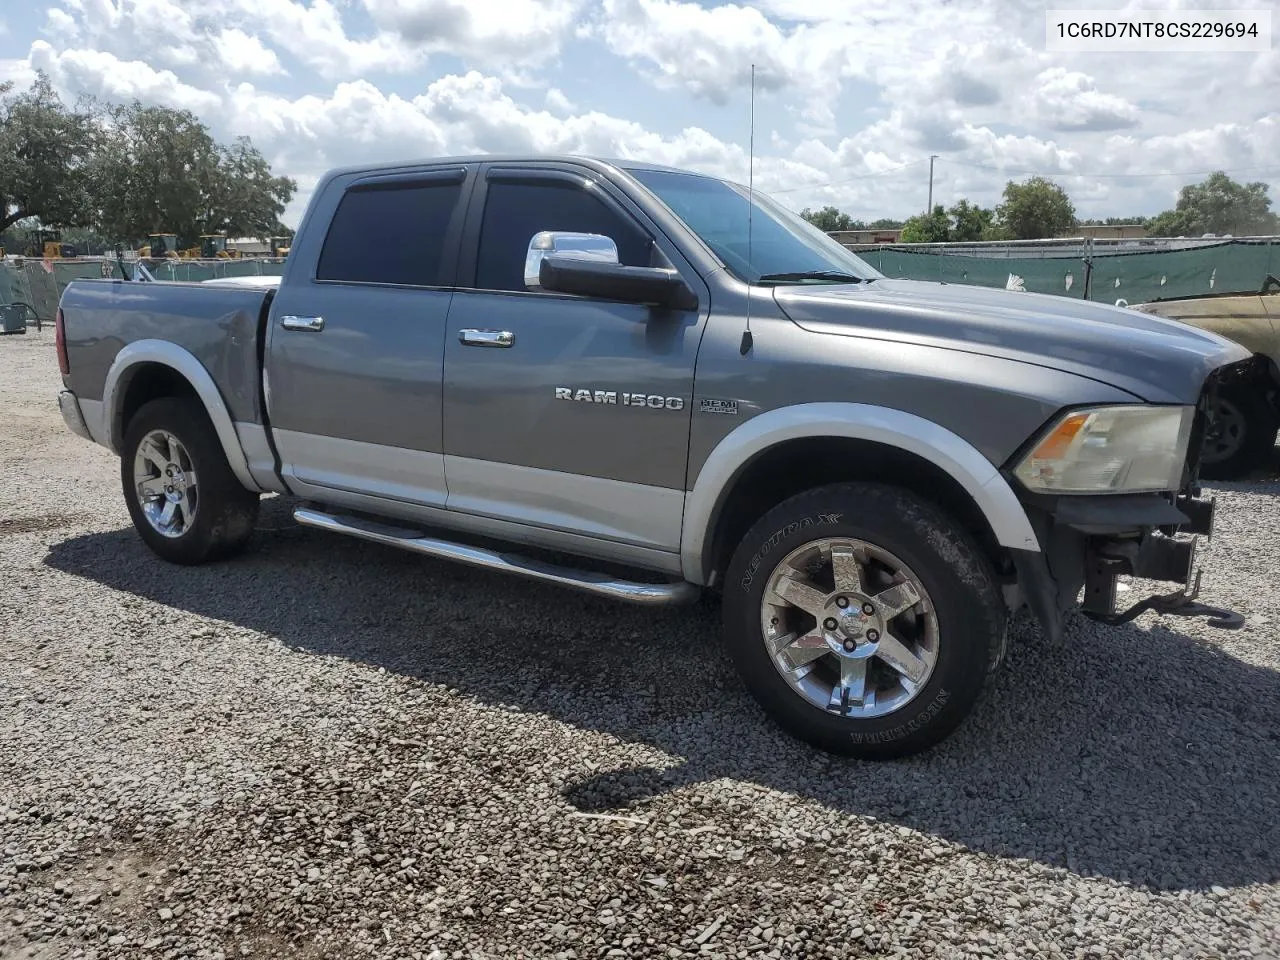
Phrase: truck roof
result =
(592, 161)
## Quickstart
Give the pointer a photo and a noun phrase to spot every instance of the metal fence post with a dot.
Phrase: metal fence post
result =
(1088, 267)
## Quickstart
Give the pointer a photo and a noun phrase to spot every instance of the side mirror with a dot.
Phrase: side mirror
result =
(578, 246)
(586, 264)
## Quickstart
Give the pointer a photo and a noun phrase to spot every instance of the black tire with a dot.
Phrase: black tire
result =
(1251, 425)
(971, 614)
(225, 513)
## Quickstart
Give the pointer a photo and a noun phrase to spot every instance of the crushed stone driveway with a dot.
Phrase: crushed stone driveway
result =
(329, 749)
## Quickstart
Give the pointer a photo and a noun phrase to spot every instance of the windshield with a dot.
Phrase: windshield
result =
(785, 248)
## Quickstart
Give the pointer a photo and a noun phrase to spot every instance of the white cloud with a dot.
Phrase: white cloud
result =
(854, 96)
(241, 52)
(1069, 100)
(469, 113)
(106, 76)
(557, 102)
(316, 35)
(487, 31)
(17, 72)
(709, 51)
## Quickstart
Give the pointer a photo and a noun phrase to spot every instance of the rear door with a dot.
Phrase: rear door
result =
(355, 348)
(578, 421)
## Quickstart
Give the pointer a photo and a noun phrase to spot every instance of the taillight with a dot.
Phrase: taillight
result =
(60, 341)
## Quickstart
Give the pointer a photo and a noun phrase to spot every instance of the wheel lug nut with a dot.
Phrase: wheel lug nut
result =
(830, 623)
(850, 646)
(842, 602)
(868, 609)
(873, 635)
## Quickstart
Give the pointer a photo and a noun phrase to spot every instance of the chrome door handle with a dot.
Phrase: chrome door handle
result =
(314, 324)
(487, 338)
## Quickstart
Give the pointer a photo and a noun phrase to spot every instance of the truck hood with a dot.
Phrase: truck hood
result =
(1157, 360)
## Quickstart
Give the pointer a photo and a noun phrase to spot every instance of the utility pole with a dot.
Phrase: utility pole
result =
(929, 209)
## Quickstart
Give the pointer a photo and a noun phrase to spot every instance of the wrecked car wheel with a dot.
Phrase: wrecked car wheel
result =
(1240, 435)
(183, 497)
(863, 619)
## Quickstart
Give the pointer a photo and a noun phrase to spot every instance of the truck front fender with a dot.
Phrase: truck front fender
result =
(923, 438)
(131, 359)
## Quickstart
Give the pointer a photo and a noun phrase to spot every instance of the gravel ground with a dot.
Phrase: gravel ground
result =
(329, 749)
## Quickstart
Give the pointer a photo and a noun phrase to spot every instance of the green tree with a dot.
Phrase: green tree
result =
(249, 199)
(831, 219)
(155, 173)
(969, 221)
(1035, 209)
(45, 151)
(1218, 205)
(931, 228)
(884, 223)
(160, 171)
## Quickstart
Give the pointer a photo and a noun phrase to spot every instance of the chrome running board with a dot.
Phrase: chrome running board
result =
(648, 594)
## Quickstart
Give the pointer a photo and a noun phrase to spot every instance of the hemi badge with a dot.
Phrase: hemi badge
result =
(720, 406)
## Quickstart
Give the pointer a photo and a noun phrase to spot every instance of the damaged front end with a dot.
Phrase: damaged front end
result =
(1089, 542)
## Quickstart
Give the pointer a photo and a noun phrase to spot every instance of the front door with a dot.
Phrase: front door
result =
(566, 413)
(355, 353)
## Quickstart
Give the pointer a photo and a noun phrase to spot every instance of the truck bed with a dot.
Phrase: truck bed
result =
(220, 325)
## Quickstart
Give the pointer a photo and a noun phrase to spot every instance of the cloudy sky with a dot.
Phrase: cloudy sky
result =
(852, 95)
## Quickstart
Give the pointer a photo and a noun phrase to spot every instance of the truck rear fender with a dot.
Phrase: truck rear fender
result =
(978, 477)
(136, 357)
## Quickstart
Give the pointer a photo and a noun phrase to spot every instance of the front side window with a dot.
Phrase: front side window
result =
(775, 246)
(390, 233)
(514, 212)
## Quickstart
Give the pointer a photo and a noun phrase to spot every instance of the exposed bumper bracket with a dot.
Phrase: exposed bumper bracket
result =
(1155, 557)
(1199, 512)
(1179, 603)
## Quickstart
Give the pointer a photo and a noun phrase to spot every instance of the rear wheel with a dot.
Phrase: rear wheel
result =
(1240, 434)
(183, 497)
(863, 619)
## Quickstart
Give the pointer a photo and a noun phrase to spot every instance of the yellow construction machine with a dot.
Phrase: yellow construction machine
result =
(48, 244)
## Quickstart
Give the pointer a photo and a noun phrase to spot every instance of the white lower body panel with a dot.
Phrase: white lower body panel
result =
(627, 523)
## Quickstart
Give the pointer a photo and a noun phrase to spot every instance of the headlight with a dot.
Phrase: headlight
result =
(1126, 449)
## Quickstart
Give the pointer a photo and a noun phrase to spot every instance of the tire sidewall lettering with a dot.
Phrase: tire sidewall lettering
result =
(917, 722)
(804, 523)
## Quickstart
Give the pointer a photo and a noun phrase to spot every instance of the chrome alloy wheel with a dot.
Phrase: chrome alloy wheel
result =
(849, 627)
(165, 479)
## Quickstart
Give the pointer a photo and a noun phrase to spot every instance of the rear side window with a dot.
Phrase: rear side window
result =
(393, 233)
(514, 212)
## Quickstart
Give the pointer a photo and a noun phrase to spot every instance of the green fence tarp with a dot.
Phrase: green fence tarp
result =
(1229, 267)
(1170, 274)
(40, 284)
(1063, 276)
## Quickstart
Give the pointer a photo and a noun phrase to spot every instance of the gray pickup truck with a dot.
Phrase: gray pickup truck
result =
(646, 383)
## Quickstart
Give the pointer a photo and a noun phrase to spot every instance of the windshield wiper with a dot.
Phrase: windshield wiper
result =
(833, 275)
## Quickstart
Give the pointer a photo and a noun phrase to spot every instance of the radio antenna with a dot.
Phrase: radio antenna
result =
(745, 346)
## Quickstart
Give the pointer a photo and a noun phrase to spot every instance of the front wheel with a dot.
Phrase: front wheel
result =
(185, 501)
(1240, 435)
(863, 619)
